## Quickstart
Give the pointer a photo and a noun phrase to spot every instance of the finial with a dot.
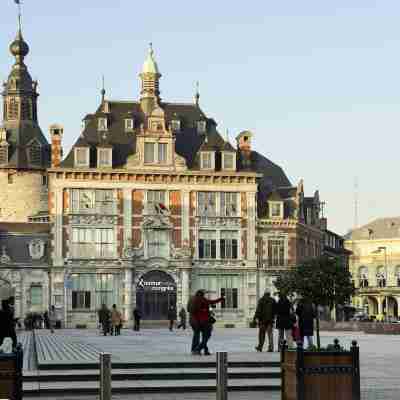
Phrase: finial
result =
(151, 51)
(18, 3)
(227, 135)
(197, 94)
(206, 139)
(103, 90)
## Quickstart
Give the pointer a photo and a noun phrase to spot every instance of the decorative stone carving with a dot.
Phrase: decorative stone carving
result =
(158, 221)
(180, 163)
(36, 249)
(180, 253)
(4, 258)
(219, 221)
(93, 219)
(131, 252)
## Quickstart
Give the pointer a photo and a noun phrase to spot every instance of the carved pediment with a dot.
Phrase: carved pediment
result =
(156, 222)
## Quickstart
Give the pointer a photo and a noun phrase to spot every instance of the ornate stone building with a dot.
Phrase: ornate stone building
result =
(152, 203)
(375, 267)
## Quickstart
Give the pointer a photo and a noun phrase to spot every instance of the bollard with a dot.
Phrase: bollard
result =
(222, 375)
(105, 376)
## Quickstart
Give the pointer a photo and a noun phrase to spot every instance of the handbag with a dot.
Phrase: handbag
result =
(211, 318)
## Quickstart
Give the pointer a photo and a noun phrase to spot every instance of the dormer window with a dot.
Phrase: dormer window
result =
(276, 209)
(229, 161)
(128, 125)
(102, 124)
(104, 158)
(155, 153)
(35, 154)
(201, 127)
(81, 157)
(176, 125)
(207, 160)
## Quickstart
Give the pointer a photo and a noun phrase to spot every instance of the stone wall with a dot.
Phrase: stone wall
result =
(22, 195)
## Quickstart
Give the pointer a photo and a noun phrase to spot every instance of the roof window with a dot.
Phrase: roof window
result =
(102, 124)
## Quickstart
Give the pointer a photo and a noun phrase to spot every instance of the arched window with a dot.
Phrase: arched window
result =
(381, 276)
(363, 277)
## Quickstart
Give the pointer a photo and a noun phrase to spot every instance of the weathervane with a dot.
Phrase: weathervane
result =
(18, 3)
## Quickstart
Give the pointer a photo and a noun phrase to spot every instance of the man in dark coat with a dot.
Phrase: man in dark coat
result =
(306, 313)
(105, 319)
(284, 320)
(137, 316)
(171, 317)
(265, 316)
(182, 319)
(7, 324)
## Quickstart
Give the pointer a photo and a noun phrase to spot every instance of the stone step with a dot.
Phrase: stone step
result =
(151, 374)
(154, 386)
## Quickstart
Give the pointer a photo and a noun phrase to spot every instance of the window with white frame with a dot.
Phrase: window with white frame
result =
(154, 199)
(104, 157)
(36, 295)
(230, 298)
(206, 202)
(81, 157)
(155, 153)
(207, 160)
(228, 161)
(201, 127)
(128, 125)
(93, 201)
(275, 209)
(276, 250)
(228, 244)
(176, 125)
(102, 124)
(93, 243)
(229, 204)
(207, 244)
(158, 243)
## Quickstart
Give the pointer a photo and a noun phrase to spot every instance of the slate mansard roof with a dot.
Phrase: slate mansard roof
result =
(381, 228)
(188, 141)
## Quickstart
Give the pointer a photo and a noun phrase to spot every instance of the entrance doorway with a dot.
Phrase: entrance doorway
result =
(155, 295)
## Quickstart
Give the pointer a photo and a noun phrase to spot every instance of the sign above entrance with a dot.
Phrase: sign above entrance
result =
(155, 286)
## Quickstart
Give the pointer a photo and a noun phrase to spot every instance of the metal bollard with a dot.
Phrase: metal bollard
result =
(222, 375)
(105, 376)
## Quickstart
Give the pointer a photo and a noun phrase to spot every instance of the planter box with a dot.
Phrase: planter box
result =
(11, 375)
(320, 375)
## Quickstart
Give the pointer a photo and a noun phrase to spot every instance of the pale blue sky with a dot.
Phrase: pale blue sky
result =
(318, 82)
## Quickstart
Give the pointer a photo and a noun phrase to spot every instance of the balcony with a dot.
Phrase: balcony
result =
(219, 221)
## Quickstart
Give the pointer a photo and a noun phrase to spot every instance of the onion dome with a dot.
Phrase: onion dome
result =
(19, 48)
(150, 65)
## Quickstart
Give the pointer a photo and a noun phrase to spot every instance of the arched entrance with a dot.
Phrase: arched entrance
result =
(372, 306)
(392, 307)
(155, 294)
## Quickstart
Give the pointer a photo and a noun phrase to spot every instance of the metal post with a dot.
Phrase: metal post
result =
(105, 376)
(222, 375)
(355, 360)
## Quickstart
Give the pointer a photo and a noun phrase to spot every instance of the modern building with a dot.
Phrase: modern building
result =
(150, 204)
(375, 267)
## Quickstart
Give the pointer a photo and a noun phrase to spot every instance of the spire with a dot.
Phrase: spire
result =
(227, 135)
(103, 90)
(150, 76)
(197, 94)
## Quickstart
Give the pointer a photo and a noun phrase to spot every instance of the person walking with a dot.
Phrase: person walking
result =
(171, 317)
(182, 319)
(265, 316)
(116, 320)
(306, 313)
(137, 316)
(7, 324)
(104, 319)
(284, 320)
(194, 324)
(52, 318)
(204, 320)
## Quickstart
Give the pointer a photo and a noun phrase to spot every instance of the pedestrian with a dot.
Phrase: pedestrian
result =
(7, 324)
(194, 324)
(306, 313)
(171, 317)
(265, 316)
(52, 318)
(116, 320)
(104, 319)
(204, 320)
(137, 316)
(46, 320)
(182, 319)
(284, 320)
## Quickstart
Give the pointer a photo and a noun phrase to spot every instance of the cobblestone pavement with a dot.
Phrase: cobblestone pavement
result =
(380, 356)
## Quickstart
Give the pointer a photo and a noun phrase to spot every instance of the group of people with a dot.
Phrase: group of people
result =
(110, 320)
(292, 324)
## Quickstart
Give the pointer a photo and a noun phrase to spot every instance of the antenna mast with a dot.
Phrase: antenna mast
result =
(355, 203)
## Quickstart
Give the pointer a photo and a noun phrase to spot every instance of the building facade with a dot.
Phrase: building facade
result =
(151, 204)
(375, 267)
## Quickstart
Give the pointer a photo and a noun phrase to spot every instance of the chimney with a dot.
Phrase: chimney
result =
(244, 142)
(56, 133)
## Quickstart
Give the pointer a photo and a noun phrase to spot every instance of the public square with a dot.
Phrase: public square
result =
(380, 355)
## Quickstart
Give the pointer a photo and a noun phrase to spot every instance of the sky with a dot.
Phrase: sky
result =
(317, 82)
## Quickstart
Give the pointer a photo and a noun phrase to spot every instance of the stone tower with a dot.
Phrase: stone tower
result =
(24, 150)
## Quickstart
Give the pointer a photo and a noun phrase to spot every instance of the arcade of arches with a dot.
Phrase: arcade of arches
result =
(379, 306)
